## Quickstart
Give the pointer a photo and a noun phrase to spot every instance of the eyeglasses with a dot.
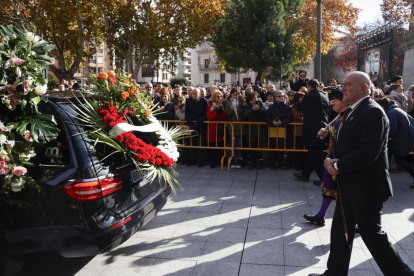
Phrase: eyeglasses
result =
(302, 75)
(280, 96)
(376, 96)
(180, 101)
(349, 83)
(148, 86)
(219, 96)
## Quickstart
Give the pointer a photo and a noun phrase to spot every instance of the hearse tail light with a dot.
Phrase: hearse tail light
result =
(95, 189)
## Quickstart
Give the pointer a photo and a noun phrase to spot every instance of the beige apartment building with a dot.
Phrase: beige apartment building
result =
(100, 62)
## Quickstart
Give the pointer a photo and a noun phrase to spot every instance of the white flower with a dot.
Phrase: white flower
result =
(3, 154)
(32, 153)
(40, 90)
(10, 144)
(24, 157)
(31, 37)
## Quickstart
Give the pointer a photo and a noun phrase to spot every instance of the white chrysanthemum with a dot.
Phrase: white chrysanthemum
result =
(40, 90)
(31, 37)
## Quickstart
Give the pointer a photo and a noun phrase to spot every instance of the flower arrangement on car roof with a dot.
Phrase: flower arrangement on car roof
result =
(118, 115)
(23, 60)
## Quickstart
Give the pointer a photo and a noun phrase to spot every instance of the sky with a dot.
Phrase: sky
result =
(370, 10)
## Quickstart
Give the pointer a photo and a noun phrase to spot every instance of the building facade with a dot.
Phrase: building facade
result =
(205, 70)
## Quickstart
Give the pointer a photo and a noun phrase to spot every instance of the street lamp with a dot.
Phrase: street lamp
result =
(281, 46)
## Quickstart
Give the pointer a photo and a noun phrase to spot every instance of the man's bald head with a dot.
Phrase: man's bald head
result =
(355, 86)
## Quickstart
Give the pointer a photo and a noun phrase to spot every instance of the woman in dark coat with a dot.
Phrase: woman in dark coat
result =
(254, 111)
(166, 108)
(278, 115)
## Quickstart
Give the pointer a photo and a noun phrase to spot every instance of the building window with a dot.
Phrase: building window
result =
(222, 78)
(100, 50)
(92, 69)
(100, 60)
(206, 78)
(165, 76)
(100, 70)
(206, 63)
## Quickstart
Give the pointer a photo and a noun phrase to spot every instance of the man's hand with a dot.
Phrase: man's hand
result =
(329, 165)
(322, 132)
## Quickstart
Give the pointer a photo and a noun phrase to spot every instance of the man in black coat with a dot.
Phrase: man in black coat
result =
(302, 81)
(195, 115)
(315, 106)
(360, 165)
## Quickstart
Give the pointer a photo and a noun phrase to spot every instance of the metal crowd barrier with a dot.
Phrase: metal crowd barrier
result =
(277, 135)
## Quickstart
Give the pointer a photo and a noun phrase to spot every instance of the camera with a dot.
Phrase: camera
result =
(332, 88)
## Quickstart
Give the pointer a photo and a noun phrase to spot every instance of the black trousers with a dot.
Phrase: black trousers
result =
(197, 156)
(314, 160)
(367, 215)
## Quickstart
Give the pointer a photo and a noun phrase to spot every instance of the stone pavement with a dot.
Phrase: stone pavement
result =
(247, 223)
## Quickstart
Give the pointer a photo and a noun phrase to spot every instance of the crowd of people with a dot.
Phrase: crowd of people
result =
(363, 127)
(302, 101)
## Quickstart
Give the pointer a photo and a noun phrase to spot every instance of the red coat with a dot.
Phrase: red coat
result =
(212, 128)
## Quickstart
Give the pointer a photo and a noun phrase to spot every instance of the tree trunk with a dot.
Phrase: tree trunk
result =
(61, 73)
(138, 61)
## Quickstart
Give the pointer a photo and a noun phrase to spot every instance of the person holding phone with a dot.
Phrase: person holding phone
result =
(278, 115)
(303, 81)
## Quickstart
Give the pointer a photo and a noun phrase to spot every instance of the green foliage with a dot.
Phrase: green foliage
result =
(180, 81)
(250, 34)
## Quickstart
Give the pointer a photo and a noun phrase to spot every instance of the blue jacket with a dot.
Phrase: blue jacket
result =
(401, 129)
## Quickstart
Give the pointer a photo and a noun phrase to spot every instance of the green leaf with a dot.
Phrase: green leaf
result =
(35, 100)
(22, 127)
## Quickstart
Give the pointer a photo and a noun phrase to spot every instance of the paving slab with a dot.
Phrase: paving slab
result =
(246, 223)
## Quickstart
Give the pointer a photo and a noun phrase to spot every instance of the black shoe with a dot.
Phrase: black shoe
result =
(314, 219)
(259, 165)
(283, 168)
(326, 273)
(273, 166)
(251, 166)
(190, 164)
(300, 177)
(317, 183)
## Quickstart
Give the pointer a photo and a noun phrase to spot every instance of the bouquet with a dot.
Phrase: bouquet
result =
(116, 114)
(23, 61)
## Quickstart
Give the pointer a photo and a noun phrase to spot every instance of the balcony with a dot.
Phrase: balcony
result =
(211, 66)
